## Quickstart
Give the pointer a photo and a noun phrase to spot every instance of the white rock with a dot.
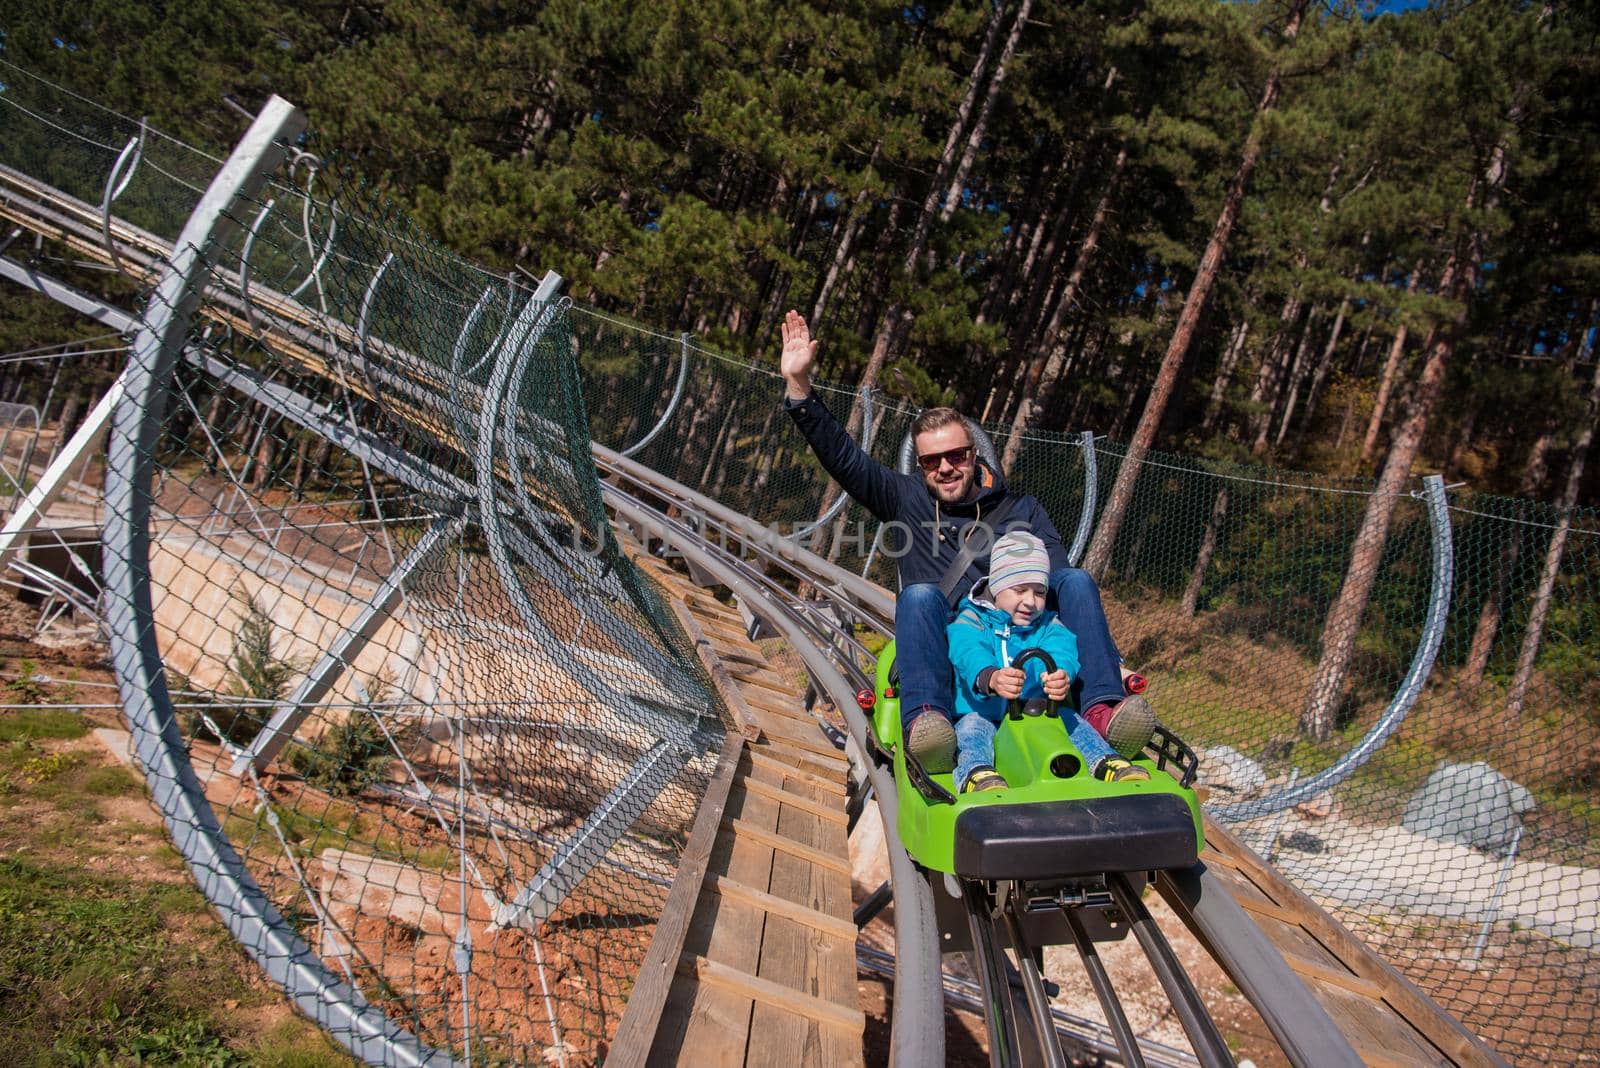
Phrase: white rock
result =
(1223, 767)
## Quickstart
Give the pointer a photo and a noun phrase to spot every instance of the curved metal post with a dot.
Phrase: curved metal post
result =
(981, 442)
(466, 330)
(244, 260)
(136, 428)
(327, 246)
(672, 405)
(531, 323)
(364, 317)
(1091, 489)
(116, 183)
(1410, 687)
(867, 433)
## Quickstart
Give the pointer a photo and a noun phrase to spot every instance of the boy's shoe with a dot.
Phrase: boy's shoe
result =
(1115, 769)
(1127, 725)
(985, 779)
(932, 740)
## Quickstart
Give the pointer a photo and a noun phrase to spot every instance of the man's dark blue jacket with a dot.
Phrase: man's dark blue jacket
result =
(905, 499)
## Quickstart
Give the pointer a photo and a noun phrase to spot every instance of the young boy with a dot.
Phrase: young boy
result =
(1002, 616)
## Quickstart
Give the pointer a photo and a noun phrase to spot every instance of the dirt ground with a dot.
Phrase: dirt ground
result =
(134, 848)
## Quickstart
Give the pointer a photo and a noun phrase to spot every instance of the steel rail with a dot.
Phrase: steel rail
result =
(918, 1014)
(989, 964)
(1033, 987)
(1207, 1040)
(1090, 1036)
(245, 908)
(1256, 971)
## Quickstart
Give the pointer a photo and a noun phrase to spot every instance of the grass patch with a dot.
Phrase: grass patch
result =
(336, 826)
(89, 974)
(114, 968)
(109, 782)
(32, 723)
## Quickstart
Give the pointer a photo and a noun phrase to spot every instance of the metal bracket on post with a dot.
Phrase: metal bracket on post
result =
(48, 489)
(244, 260)
(342, 652)
(589, 844)
(1091, 489)
(137, 425)
(364, 317)
(1433, 494)
(672, 405)
(116, 183)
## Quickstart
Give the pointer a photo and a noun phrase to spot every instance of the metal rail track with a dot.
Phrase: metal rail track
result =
(834, 656)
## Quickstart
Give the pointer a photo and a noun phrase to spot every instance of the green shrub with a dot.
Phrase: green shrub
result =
(257, 678)
(355, 752)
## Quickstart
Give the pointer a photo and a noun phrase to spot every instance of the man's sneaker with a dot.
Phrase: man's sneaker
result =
(1127, 725)
(985, 779)
(1115, 769)
(932, 740)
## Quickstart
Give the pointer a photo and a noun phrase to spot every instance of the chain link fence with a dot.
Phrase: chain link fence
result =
(429, 742)
(1459, 833)
(431, 745)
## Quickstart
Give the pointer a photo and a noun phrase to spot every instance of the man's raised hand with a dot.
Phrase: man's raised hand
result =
(799, 353)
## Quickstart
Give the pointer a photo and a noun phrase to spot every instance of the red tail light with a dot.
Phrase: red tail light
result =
(866, 700)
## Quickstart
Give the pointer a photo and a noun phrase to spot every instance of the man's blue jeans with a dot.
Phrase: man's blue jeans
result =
(922, 651)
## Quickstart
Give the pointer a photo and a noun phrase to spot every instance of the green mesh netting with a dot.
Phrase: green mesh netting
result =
(429, 742)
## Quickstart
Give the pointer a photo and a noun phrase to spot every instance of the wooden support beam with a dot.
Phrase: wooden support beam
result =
(817, 808)
(832, 785)
(732, 694)
(1344, 980)
(782, 906)
(642, 1016)
(770, 993)
(786, 845)
(1419, 1010)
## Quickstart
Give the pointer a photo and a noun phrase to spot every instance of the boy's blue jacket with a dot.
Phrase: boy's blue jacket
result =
(983, 637)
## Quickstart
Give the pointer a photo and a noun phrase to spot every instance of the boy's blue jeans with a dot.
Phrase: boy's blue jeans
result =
(922, 651)
(975, 743)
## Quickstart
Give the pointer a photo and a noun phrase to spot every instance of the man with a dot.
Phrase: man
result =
(931, 520)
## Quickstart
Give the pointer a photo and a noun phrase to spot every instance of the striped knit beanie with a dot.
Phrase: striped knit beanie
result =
(1018, 558)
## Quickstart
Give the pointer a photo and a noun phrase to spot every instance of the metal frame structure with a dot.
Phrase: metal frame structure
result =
(502, 436)
(140, 405)
(1410, 688)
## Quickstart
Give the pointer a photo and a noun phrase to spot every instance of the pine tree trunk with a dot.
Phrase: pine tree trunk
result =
(896, 318)
(1297, 376)
(1457, 282)
(1534, 635)
(1272, 369)
(1319, 378)
(1369, 443)
(1202, 560)
(1219, 384)
(980, 127)
(1048, 362)
(1155, 407)
(838, 267)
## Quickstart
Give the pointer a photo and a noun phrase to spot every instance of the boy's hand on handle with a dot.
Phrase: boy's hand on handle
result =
(799, 353)
(1007, 682)
(1055, 685)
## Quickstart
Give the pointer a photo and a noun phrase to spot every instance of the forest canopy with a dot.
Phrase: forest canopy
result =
(1311, 234)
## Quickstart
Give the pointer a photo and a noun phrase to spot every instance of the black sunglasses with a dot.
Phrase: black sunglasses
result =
(958, 458)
